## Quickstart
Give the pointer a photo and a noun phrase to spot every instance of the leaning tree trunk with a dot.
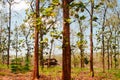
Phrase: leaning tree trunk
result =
(66, 61)
(36, 46)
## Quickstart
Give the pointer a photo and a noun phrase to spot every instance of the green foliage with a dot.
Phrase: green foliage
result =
(18, 67)
(26, 67)
(95, 18)
(45, 40)
(82, 17)
(2, 66)
(78, 4)
(55, 2)
(117, 74)
(86, 61)
(56, 34)
(52, 71)
(76, 16)
(68, 20)
(49, 12)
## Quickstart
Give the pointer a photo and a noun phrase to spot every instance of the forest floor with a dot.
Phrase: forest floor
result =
(6, 74)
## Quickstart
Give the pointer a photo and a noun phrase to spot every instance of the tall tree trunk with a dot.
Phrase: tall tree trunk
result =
(36, 46)
(66, 56)
(28, 52)
(27, 44)
(9, 32)
(81, 46)
(16, 35)
(1, 36)
(103, 46)
(41, 48)
(91, 39)
(115, 52)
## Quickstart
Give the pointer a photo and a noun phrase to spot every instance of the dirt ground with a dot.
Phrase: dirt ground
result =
(28, 76)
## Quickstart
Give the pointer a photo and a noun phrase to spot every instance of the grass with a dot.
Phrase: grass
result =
(3, 66)
(115, 73)
(75, 72)
(52, 71)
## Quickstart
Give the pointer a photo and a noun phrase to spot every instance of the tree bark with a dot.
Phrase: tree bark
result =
(66, 56)
(108, 54)
(103, 45)
(9, 31)
(50, 52)
(115, 52)
(81, 46)
(36, 46)
(41, 48)
(91, 40)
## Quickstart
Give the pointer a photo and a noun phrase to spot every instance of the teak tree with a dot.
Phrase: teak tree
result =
(91, 38)
(36, 46)
(9, 32)
(66, 61)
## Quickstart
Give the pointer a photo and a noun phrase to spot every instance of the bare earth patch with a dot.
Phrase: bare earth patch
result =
(7, 75)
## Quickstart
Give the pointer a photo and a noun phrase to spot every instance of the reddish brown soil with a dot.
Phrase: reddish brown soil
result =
(28, 76)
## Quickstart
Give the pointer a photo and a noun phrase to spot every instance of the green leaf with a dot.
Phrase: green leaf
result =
(95, 18)
(76, 16)
(82, 9)
(77, 9)
(55, 2)
(68, 20)
(82, 17)
(97, 6)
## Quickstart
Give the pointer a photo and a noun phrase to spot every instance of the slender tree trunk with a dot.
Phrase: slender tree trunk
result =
(16, 44)
(50, 52)
(81, 46)
(66, 57)
(91, 39)
(36, 46)
(115, 59)
(103, 46)
(118, 50)
(9, 32)
(3, 58)
(28, 51)
(108, 54)
(82, 58)
(41, 49)
(111, 55)
(1, 35)
(74, 59)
